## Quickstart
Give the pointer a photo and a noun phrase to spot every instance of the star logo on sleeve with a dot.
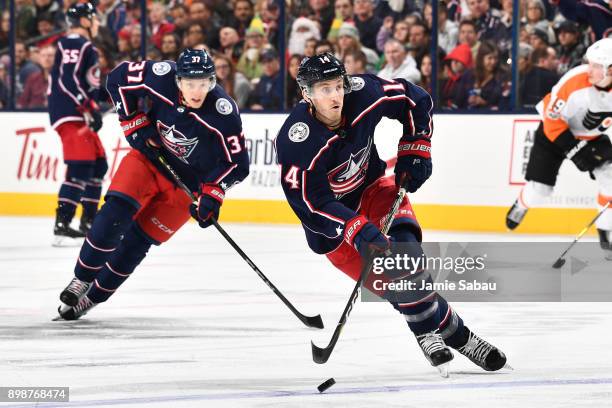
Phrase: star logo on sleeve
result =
(117, 106)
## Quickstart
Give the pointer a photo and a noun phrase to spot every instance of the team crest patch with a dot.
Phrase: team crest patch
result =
(161, 68)
(224, 106)
(175, 141)
(299, 132)
(357, 83)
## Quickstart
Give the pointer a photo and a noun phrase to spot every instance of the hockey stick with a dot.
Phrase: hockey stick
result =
(310, 321)
(561, 261)
(321, 355)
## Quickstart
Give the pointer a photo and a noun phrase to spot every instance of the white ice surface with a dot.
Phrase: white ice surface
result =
(196, 327)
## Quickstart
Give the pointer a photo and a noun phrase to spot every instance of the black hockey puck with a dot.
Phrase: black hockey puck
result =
(324, 386)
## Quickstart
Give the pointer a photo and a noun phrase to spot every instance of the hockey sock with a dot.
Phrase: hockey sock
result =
(120, 265)
(93, 190)
(109, 225)
(68, 198)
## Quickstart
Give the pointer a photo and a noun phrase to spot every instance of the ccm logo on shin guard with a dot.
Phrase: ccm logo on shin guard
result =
(352, 228)
(419, 148)
(132, 125)
(161, 226)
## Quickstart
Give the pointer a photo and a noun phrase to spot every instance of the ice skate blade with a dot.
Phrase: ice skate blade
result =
(508, 367)
(66, 242)
(443, 370)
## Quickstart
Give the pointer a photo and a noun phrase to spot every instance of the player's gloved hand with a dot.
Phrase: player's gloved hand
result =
(91, 111)
(209, 204)
(365, 237)
(140, 134)
(586, 155)
(413, 165)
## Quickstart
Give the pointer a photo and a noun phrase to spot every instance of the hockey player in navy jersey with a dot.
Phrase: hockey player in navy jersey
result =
(75, 116)
(196, 127)
(334, 181)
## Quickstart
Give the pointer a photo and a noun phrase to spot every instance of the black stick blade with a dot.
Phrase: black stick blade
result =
(312, 321)
(559, 263)
(320, 355)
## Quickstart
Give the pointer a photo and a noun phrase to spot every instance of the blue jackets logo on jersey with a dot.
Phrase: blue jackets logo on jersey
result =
(176, 142)
(350, 174)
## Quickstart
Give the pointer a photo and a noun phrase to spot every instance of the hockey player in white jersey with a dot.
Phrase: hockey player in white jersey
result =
(576, 125)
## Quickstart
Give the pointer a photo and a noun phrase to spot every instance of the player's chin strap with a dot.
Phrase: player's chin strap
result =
(310, 321)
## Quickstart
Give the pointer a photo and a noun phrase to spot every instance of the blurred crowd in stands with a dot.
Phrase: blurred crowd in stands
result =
(390, 38)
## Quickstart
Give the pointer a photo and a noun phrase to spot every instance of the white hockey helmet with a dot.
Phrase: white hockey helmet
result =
(600, 52)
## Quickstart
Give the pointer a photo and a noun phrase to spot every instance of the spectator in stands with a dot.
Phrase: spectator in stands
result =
(535, 18)
(399, 64)
(355, 62)
(234, 83)
(344, 9)
(348, 41)
(23, 66)
(293, 91)
(158, 25)
(195, 34)
(170, 47)
(270, 16)
(123, 44)
(542, 76)
(46, 30)
(488, 25)
(178, 14)
(367, 23)
(323, 46)
(52, 8)
(112, 15)
(569, 49)
(426, 70)
(302, 30)
(309, 47)
(268, 93)
(419, 42)
(455, 64)
(242, 16)
(200, 12)
(4, 91)
(135, 42)
(35, 89)
(230, 44)
(538, 39)
(5, 27)
(25, 19)
(323, 12)
(524, 61)
(447, 30)
(468, 35)
(249, 63)
(595, 13)
(483, 86)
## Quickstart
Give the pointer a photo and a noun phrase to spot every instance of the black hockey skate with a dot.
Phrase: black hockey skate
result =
(482, 353)
(64, 235)
(75, 312)
(74, 292)
(515, 215)
(85, 224)
(604, 242)
(435, 351)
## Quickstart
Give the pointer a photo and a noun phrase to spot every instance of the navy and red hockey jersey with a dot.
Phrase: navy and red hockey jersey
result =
(75, 78)
(324, 172)
(204, 145)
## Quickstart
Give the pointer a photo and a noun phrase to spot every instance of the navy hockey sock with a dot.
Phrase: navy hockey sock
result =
(109, 225)
(90, 199)
(128, 255)
(68, 198)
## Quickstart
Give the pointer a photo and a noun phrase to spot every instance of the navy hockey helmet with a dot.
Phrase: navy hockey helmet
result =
(78, 11)
(192, 63)
(321, 67)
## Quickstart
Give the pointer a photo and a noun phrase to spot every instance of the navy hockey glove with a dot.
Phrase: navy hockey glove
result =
(365, 237)
(413, 165)
(208, 206)
(91, 111)
(139, 133)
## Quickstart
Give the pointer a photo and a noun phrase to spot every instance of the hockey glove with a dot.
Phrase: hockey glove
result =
(586, 155)
(91, 111)
(140, 134)
(208, 206)
(413, 165)
(365, 237)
